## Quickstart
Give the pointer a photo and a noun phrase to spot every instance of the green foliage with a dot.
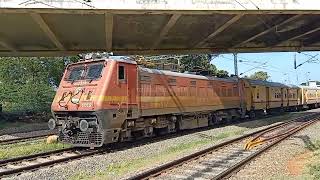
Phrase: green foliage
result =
(28, 84)
(260, 75)
(202, 61)
(314, 166)
(314, 170)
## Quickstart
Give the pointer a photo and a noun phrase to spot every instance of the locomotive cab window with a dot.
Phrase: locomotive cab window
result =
(75, 73)
(85, 72)
(121, 73)
(94, 71)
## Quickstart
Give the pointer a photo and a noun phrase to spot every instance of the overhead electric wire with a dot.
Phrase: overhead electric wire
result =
(247, 62)
(254, 5)
(311, 57)
(268, 64)
(252, 68)
(307, 61)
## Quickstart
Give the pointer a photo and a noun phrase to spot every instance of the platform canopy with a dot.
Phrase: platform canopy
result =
(66, 27)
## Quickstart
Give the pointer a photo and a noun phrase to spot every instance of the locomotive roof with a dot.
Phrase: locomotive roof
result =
(266, 83)
(193, 76)
(309, 87)
(293, 86)
(113, 58)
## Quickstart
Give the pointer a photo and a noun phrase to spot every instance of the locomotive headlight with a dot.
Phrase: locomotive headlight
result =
(130, 124)
(51, 124)
(84, 125)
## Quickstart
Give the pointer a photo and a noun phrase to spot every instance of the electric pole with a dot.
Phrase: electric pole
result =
(295, 67)
(235, 59)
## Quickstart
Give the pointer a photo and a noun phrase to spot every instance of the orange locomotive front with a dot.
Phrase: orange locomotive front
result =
(105, 101)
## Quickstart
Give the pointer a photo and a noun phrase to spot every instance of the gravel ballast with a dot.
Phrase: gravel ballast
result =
(100, 164)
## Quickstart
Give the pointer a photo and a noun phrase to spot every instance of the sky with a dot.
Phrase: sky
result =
(279, 65)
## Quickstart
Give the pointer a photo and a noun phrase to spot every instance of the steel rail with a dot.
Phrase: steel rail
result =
(22, 139)
(237, 166)
(284, 124)
(32, 156)
(258, 139)
(171, 165)
(43, 164)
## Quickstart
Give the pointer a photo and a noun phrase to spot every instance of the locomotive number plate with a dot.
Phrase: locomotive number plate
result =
(86, 105)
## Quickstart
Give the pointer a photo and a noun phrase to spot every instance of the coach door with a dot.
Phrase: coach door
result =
(282, 97)
(127, 80)
(130, 85)
(267, 98)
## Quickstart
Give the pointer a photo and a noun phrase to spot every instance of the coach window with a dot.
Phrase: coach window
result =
(121, 73)
(193, 83)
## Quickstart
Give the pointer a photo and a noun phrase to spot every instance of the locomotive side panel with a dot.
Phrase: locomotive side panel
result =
(165, 94)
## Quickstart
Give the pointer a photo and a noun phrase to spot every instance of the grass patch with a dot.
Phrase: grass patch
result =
(28, 148)
(119, 169)
(227, 134)
(313, 169)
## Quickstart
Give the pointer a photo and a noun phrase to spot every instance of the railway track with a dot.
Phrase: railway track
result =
(35, 161)
(220, 161)
(22, 139)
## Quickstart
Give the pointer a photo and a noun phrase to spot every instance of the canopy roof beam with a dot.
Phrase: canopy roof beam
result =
(7, 45)
(46, 29)
(220, 29)
(164, 31)
(298, 36)
(269, 30)
(108, 18)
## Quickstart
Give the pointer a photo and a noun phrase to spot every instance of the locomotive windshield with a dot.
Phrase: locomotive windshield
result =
(84, 72)
(94, 71)
(75, 73)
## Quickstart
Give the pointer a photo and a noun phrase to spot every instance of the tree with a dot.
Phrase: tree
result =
(260, 75)
(222, 74)
(201, 61)
(28, 84)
